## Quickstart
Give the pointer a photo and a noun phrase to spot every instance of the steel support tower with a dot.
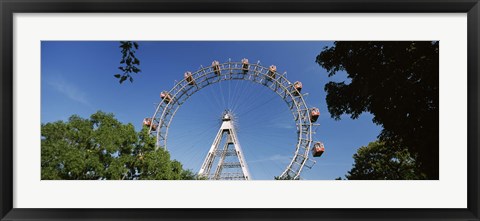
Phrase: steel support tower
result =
(226, 153)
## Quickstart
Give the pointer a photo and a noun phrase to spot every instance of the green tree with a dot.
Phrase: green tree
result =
(103, 148)
(288, 177)
(129, 63)
(380, 162)
(395, 81)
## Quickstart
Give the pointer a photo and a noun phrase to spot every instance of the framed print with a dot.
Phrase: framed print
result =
(239, 110)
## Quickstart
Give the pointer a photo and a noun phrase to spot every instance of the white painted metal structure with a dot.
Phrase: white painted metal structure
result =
(268, 77)
(231, 162)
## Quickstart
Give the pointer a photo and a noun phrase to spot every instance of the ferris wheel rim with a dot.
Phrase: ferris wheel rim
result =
(256, 73)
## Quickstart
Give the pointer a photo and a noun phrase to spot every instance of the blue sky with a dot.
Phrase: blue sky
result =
(77, 78)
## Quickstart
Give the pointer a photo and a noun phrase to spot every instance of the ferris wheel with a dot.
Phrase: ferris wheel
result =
(303, 115)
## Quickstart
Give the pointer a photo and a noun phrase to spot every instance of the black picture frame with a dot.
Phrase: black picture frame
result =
(9, 7)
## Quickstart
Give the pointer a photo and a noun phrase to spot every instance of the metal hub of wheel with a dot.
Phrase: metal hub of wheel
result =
(267, 76)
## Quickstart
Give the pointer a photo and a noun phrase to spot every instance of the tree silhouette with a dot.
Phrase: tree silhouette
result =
(380, 162)
(287, 177)
(103, 148)
(395, 81)
(130, 63)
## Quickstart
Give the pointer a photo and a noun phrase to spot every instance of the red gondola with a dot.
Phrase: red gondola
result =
(318, 149)
(298, 88)
(216, 67)
(272, 70)
(165, 97)
(245, 65)
(314, 114)
(148, 122)
(189, 78)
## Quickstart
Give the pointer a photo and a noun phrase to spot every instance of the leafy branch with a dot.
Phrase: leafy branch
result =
(129, 63)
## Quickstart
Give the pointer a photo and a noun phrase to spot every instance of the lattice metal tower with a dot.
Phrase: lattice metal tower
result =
(230, 162)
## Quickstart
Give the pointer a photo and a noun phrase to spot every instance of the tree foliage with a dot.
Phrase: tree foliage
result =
(380, 162)
(103, 148)
(395, 81)
(129, 63)
(287, 177)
